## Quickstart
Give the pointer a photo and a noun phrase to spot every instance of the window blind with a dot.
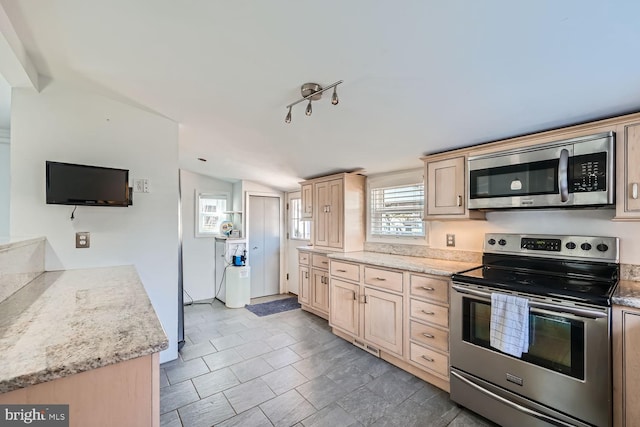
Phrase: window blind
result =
(397, 210)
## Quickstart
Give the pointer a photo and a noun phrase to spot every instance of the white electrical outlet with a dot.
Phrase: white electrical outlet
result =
(141, 185)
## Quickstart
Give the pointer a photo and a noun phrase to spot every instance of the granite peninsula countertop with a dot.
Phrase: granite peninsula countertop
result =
(627, 294)
(438, 267)
(66, 322)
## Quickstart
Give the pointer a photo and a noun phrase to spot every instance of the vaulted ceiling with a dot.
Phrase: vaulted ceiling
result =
(419, 76)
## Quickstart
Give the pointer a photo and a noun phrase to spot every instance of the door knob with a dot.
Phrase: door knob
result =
(255, 247)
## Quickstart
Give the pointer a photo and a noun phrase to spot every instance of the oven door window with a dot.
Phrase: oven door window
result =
(555, 342)
(525, 179)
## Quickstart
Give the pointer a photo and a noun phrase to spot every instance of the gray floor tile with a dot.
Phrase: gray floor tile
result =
(231, 327)
(333, 416)
(280, 340)
(170, 419)
(374, 366)
(364, 405)
(191, 351)
(255, 334)
(410, 413)
(222, 359)
(250, 369)
(215, 382)
(287, 409)
(282, 357)
(393, 388)
(426, 392)
(175, 396)
(248, 395)
(321, 391)
(349, 377)
(227, 341)
(468, 419)
(187, 370)
(251, 418)
(253, 349)
(284, 379)
(164, 381)
(206, 412)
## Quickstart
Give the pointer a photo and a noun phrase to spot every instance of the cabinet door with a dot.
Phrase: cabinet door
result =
(335, 213)
(307, 200)
(631, 162)
(344, 306)
(383, 320)
(445, 187)
(626, 366)
(320, 207)
(304, 290)
(320, 291)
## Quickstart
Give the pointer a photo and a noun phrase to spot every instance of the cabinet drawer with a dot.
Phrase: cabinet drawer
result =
(430, 336)
(429, 359)
(430, 287)
(391, 280)
(430, 312)
(303, 258)
(345, 270)
(320, 261)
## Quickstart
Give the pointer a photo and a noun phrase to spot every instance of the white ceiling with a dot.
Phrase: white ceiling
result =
(419, 76)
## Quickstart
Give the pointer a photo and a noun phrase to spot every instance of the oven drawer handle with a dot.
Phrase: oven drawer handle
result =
(516, 406)
(582, 312)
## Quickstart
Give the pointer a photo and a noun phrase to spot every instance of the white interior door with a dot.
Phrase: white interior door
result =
(264, 245)
(298, 234)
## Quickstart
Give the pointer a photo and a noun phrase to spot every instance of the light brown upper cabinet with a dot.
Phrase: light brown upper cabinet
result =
(446, 190)
(307, 200)
(338, 206)
(628, 171)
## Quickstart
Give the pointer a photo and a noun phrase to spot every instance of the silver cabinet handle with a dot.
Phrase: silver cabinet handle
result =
(459, 200)
(563, 175)
(382, 279)
(306, 274)
(325, 262)
(355, 298)
(341, 271)
(634, 190)
(424, 334)
(428, 359)
(430, 313)
(427, 288)
(364, 297)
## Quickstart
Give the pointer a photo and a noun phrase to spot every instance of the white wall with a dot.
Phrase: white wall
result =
(590, 222)
(198, 253)
(65, 124)
(5, 181)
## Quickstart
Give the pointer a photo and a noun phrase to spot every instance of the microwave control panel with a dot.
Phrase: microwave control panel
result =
(588, 173)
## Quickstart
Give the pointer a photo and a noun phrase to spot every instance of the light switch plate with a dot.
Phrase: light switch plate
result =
(83, 239)
(451, 239)
(141, 185)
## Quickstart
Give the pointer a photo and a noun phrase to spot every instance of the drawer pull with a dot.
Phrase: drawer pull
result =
(382, 279)
(428, 359)
(355, 298)
(325, 262)
(341, 271)
(427, 288)
(430, 313)
(634, 190)
(428, 335)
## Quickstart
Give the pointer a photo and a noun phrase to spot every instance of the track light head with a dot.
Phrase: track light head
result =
(308, 110)
(288, 118)
(334, 97)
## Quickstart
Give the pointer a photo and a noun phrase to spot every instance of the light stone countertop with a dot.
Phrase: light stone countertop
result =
(313, 249)
(16, 242)
(438, 267)
(66, 322)
(627, 294)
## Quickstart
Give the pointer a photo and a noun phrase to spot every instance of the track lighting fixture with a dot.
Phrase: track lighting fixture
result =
(313, 92)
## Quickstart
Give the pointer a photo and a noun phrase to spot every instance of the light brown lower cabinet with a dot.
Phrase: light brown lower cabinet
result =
(304, 285)
(320, 290)
(383, 320)
(122, 394)
(626, 366)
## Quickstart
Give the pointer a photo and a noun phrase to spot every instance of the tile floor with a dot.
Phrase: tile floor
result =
(288, 369)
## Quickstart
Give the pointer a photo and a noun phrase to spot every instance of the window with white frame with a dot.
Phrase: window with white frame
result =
(299, 228)
(396, 206)
(210, 213)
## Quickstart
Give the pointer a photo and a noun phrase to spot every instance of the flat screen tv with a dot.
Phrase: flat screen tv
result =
(71, 184)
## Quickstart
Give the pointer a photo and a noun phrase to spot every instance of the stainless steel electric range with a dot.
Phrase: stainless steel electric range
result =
(564, 378)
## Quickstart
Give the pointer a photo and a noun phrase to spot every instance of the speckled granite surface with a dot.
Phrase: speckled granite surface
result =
(67, 322)
(424, 252)
(627, 294)
(312, 249)
(21, 261)
(437, 267)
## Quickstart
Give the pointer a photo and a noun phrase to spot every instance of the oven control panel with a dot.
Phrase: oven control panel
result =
(551, 245)
(605, 249)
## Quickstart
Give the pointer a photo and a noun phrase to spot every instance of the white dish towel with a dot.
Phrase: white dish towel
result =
(509, 324)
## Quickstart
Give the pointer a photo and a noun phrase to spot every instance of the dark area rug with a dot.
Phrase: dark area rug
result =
(273, 307)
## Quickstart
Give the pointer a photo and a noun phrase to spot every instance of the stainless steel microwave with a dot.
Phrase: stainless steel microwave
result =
(572, 173)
